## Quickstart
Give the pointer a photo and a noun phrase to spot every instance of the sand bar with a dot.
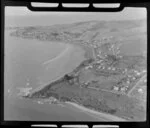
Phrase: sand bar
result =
(60, 55)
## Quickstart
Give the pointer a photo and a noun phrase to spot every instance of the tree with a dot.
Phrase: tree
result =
(112, 111)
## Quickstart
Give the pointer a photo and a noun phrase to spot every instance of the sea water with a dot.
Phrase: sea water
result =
(26, 69)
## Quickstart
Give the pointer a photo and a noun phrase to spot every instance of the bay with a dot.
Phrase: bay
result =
(24, 69)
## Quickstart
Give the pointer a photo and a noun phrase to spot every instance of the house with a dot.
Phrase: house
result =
(138, 73)
(145, 80)
(109, 68)
(140, 90)
(133, 78)
(116, 88)
(123, 89)
(143, 71)
(128, 82)
(89, 67)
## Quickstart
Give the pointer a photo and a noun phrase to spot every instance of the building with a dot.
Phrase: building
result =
(116, 88)
(128, 82)
(89, 67)
(140, 90)
(133, 78)
(144, 71)
(109, 68)
(138, 73)
(123, 89)
(145, 80)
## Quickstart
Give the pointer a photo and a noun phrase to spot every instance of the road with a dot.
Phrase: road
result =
(121, 93)
(111, 91)
(136, 85)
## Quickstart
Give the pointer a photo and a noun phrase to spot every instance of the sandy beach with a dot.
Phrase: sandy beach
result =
(96, 114)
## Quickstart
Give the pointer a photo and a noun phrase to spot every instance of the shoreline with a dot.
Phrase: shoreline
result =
(68, 49)
(96, 114)
(93, 113)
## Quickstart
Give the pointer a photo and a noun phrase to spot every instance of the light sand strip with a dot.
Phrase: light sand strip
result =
(60, 55)
(97, 114)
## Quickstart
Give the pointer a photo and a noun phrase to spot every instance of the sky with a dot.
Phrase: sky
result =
(21, 16)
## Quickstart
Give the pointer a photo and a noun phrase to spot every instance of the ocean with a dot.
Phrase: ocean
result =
(27, 67)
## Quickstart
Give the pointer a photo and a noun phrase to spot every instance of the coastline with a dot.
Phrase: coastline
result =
(95, 113)
(69, 48)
